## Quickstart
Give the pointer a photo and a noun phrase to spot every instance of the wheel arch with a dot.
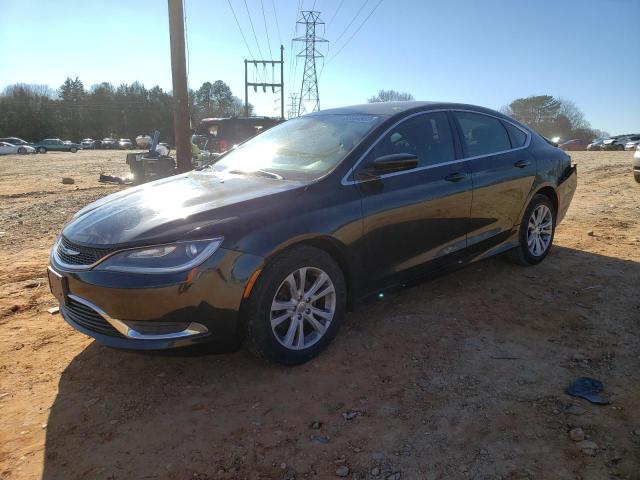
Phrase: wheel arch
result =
(337, 250)
(546, 189)
(549, 192)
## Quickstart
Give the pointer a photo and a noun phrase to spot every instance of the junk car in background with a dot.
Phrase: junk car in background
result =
(217, 135)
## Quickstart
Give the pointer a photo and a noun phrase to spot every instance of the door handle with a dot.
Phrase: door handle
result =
(522, 163)
(455, 177)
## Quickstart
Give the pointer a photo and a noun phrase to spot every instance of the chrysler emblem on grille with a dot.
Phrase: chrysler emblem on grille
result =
(68, 251)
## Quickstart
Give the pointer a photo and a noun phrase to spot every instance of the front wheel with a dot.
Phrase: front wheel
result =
(536, 232)
(42, 150)
(73, 149)
(22, 150)
(637, 177)
(296, 306)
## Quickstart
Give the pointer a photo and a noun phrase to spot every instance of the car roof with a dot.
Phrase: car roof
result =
(397, 108)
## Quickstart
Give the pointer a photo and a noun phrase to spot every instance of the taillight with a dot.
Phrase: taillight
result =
(223, 146)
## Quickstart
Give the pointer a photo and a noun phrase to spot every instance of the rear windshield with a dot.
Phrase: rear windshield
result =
(300, 149)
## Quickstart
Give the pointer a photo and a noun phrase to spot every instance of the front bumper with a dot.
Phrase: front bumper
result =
(139, 311)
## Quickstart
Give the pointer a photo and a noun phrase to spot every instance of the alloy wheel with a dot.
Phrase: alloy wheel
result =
(303, 307)
(539, 230)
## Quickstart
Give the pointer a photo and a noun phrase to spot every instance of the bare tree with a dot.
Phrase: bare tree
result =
(552, 117)
(390, 96)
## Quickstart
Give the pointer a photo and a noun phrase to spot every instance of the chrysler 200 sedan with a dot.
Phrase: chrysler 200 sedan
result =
(272, 244)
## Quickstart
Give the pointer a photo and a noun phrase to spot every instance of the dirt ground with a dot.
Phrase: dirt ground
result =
(459, 377)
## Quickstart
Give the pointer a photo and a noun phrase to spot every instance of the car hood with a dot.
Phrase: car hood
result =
(189, 206)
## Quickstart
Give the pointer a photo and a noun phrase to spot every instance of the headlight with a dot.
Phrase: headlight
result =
(169, 258)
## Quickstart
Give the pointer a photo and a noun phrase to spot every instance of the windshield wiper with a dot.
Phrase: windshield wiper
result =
(262, 173)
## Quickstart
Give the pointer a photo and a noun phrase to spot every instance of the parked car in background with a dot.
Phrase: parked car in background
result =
(56, 145)
(108, 143)
(632, 142)
(125, 144)
(7, 148)
(271, 244)
(596, 144)
(87, 143)
(15, 141)
(615, 143)
(217, 135)
(636, 164)
(574, 145)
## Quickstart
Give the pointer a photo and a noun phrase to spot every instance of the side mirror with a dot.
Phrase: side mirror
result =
(395, 162)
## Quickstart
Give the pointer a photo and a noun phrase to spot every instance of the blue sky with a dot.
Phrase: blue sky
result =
(483, 52)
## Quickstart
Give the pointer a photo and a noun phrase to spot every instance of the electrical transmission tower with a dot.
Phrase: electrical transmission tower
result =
(293, 105)
(309, 90)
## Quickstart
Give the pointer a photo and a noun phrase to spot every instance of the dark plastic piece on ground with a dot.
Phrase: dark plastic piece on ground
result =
(111, 179)
(589, 389)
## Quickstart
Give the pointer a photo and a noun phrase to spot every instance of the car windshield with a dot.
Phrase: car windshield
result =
(300, 149)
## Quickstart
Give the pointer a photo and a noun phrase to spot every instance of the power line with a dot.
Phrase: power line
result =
(336, 12)
(253, 30)
(275, 14)
(295, 30)
(264, 17)
(335, 42)
(354, 33)
(240, 28)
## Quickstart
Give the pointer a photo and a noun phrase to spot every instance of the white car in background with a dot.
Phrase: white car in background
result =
(7, 148)
(632, 142)
(636, 164)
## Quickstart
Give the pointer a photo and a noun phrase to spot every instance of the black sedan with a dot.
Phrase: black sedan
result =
(275, 241)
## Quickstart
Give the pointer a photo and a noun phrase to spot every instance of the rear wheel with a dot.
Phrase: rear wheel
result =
(22, 150)
(637, 176)
(41, 150)
(536, 232)
(296, 306)
(73, 149)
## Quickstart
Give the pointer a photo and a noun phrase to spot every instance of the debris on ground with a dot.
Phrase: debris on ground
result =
(342, 471)
(589, 389)
(53, 310)
(68, 181)
(576, 434)
(104, 178)
(588, 447)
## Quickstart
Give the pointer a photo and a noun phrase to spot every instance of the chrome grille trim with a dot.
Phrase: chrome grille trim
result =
(72, 256)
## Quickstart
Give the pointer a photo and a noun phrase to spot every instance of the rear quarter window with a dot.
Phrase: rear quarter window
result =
(518, 137)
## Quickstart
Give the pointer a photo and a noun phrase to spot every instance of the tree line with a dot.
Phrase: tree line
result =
(73, 112)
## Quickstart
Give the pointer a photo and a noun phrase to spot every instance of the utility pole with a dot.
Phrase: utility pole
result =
(265, 84)
(309, 89)
(293, 105)
(181, 127)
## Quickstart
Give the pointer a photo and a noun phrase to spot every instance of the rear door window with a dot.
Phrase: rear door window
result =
(482, 134)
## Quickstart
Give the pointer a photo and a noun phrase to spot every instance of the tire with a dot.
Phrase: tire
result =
(22, 150)
(272, 286)
(637, 176)
(527, 254)
(73, 149)
(620, 147)
(41, 150)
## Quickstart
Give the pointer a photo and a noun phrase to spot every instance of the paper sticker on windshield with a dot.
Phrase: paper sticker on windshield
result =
(361, 118)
